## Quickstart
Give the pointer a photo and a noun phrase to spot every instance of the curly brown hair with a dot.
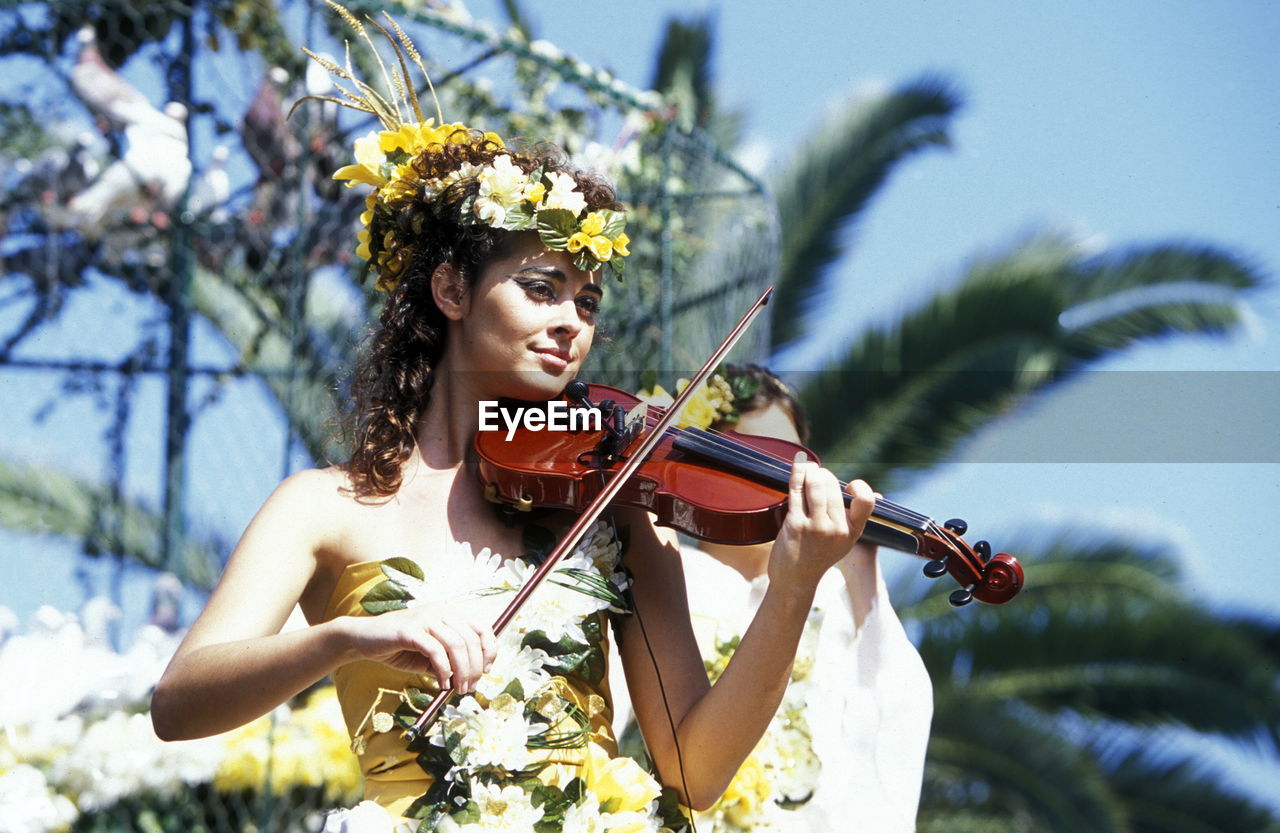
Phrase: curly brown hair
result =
(765, 389)
(419, 230)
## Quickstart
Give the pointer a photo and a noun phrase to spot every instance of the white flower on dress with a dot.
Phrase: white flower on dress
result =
(506, 809)
(515, 662)
(497, 735)
(365, 817)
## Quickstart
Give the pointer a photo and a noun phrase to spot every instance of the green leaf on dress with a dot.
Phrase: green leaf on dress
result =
(402, 565)
(384, 597)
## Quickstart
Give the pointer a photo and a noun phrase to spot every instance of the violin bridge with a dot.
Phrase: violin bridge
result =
(634, 424)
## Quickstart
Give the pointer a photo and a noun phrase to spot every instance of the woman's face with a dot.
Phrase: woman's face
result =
(771, 421)
(527, 323)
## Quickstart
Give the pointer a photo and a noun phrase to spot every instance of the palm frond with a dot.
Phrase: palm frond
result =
(1164, 790)
(1005, 763)
(46, 502)
(835, 175)
(682, 72)
(1165, 666)
(903, 397)
(300, 373)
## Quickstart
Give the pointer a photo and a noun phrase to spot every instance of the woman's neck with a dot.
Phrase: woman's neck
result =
(448, 424)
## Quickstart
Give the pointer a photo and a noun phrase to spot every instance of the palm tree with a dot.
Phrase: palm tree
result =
(1055, 713)
(1104, 643)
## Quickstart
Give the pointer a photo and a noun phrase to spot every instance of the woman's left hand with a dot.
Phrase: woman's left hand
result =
(819, 530)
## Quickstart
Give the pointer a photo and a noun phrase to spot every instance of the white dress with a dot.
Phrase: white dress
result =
(846, 751)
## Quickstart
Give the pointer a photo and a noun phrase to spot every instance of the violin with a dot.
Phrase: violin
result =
(717, 486)
(586, 471)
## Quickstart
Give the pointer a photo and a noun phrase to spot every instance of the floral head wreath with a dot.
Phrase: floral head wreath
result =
(501, 194)
(716, 402)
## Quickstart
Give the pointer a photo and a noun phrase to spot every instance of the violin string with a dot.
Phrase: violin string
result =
(781, 467)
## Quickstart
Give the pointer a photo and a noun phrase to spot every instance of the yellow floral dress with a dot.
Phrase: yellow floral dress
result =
(532, 748)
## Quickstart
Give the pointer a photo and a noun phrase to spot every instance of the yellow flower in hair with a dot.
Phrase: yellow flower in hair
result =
(534, 192)
(593, 224)
(577, 241)
(601, 247)
(369, 161)
(620, 245)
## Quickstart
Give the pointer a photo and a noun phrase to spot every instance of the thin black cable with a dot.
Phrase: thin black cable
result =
(671, 722)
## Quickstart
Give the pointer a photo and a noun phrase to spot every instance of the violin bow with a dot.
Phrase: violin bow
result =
(597, 506)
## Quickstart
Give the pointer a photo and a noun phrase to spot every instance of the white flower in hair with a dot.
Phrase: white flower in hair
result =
(564, 194)
(501, 188)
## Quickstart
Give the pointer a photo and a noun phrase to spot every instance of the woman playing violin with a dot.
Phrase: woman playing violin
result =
(493, 259)
(850, 736)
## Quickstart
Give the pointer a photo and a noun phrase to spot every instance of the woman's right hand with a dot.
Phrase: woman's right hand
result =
(451, 642)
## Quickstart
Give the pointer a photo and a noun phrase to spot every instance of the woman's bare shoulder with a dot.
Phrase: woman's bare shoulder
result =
(316, 500)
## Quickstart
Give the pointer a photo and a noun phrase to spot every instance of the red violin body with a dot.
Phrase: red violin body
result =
(723, 487)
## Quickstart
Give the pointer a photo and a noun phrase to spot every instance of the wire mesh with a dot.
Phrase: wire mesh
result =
(179, 295)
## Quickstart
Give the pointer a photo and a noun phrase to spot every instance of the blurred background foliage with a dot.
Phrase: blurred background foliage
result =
(175, 259)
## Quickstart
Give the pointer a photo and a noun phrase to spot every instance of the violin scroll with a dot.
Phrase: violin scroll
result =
(993, 579)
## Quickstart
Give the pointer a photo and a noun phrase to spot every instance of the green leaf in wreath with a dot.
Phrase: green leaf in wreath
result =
(519, 217)
(615, 222)
(585, 261)
(617, 265)
(555, 226)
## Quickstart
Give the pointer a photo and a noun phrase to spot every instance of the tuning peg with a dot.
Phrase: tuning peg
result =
(576, 391)
(983, 549)
(961, 597)
(957, 526)
(936, 569)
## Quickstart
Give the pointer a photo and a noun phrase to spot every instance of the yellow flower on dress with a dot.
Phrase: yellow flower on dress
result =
(621, 784)
(747, 791)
